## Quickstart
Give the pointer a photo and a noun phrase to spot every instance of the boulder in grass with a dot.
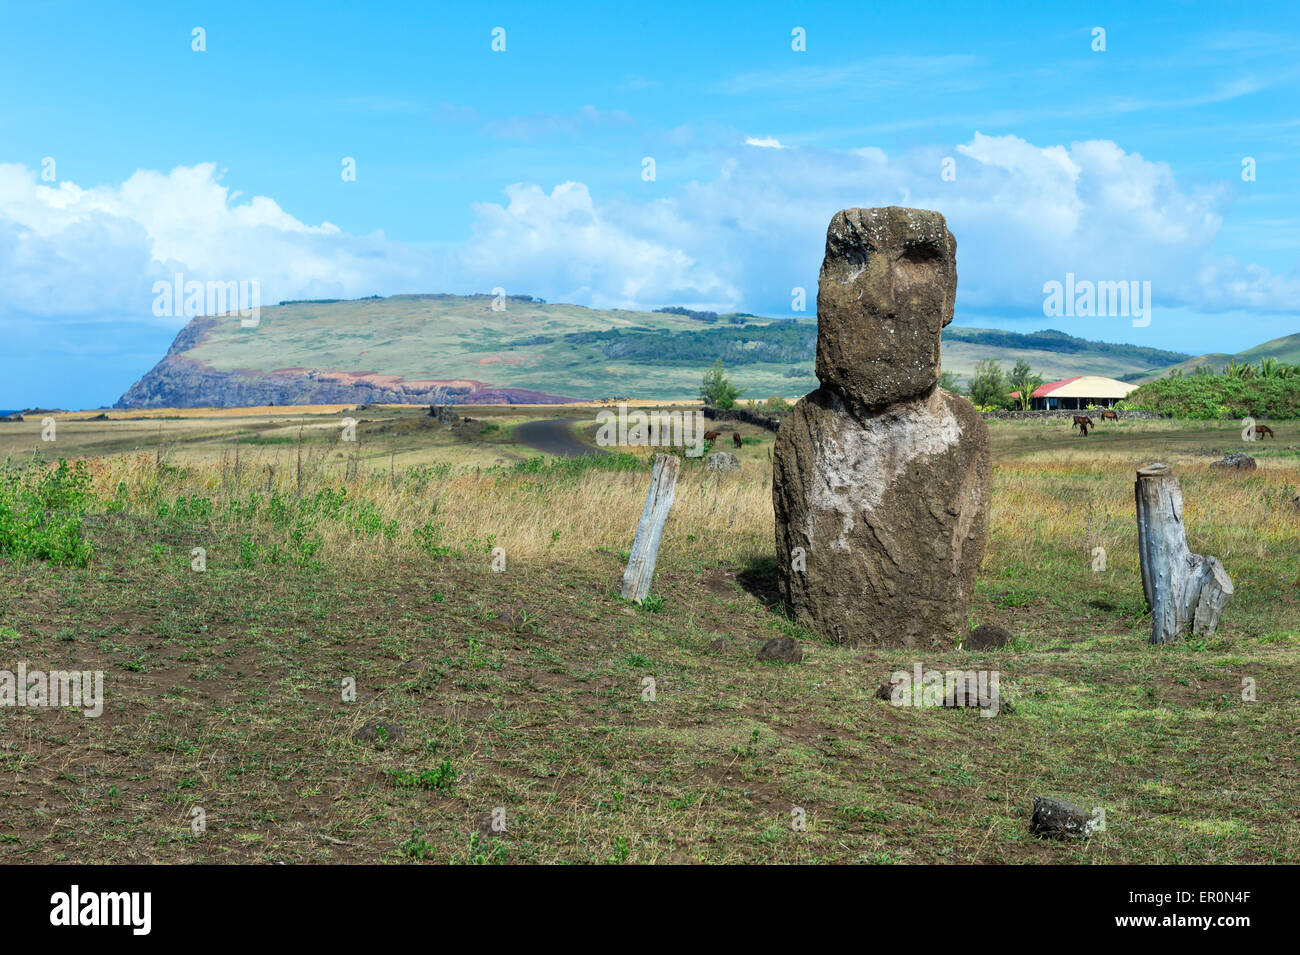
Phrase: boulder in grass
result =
(988, 637)
(781, 650)
(1056, 819)
(1237, 461)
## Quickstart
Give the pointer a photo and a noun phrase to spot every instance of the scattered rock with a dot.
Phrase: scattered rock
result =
(379, 734)
(1236, 459)
(719, 645)
(885, 691)
(881, 479)
(99, 417)
(988, 637)
(1055, 819)
(722, 461)
(781, 649)
(966, 693)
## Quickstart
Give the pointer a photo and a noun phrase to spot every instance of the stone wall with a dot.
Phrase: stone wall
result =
(1069, 415)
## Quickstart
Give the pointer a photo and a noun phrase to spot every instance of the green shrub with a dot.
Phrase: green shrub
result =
(441, 777)
(1218, 396)
(42, 511)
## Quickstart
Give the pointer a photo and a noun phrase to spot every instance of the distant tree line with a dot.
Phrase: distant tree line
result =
(792, 342)
(990, 388)
(1267, 368)
(1054, 341)
(785, 344)
(735, 318)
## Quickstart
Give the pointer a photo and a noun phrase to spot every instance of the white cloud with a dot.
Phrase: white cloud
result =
(1023, 214)
(562, 247)
(766, 142)
(96, 252)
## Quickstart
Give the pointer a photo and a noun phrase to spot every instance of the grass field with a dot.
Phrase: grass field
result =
(521, 692)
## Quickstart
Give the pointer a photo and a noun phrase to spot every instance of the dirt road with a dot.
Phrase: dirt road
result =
(554, 436)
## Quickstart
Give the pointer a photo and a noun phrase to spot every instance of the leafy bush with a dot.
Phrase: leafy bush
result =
(1218, 396)
(41, 512)
(988, 387)
(717, 389)
(441, 776)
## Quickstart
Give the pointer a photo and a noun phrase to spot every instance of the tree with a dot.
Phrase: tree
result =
(1024, 381)
(717, 389)
(987, 387)
(948, 382)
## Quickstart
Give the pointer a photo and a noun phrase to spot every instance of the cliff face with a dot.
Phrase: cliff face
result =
(182, 382)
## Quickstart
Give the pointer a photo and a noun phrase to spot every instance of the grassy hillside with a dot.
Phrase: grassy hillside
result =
(1285, 349)
(565, 350)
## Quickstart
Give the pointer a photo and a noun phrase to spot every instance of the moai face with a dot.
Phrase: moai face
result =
(886, 290)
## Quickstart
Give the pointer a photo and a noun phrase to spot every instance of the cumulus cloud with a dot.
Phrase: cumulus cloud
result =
(1023, 215)
(71, 252)
(563, 247)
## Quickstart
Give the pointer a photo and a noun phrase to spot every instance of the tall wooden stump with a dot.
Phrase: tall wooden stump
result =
(1180, 586)
(650, 530)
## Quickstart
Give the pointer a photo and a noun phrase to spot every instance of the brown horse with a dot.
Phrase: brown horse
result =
(1082, 421)
(711, 435)
(1083, 427)
(735, 437)
(1109, 416)
(1263, 429)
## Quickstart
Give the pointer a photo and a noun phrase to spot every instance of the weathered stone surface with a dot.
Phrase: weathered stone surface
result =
(1236, 459)
(885, 292)
(881, 480)
(987, 636)
(1055, 819)
(781, 650)
(890, 510)
(722, 461)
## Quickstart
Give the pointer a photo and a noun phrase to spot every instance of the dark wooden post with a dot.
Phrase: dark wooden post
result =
(650, 529)
(1180, 587)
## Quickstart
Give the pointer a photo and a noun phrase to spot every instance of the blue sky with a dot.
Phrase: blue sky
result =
(523, 168)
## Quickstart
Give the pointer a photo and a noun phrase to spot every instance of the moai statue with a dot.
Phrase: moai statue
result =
(881, 478)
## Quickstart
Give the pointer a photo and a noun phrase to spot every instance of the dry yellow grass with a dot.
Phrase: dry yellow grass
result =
(532, 516)
(1057, 504)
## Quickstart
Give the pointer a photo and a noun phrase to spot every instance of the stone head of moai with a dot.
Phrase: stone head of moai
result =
(885, 292)
(880, 479)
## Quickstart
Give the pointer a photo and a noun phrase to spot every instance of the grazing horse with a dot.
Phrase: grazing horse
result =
(735, 437)
(711, 436)
(1082, 421)
(1109, 416)
(1083, 426)
(1263, 429)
